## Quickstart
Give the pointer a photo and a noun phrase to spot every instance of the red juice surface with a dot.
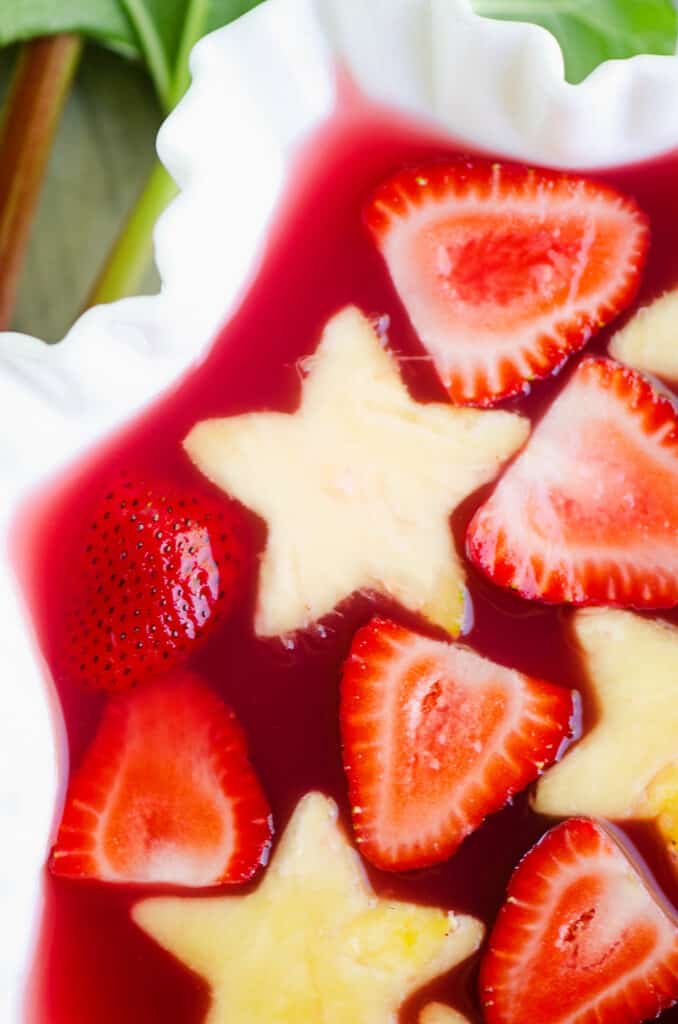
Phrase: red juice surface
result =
(93, 966)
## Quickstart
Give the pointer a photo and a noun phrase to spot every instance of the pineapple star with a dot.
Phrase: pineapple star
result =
(357, 486)
(648, 341)
(619, 768)
(438, 1013)
(312, 943)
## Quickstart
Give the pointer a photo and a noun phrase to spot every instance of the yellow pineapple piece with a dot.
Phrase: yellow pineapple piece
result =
(649, 342)
(660, 801)
(312, 942)
(358, 485)
(438, 1013)
(632, 664)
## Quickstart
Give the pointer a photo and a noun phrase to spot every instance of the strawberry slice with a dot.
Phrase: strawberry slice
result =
(435, 738)
(588, 514)
(505, 271)
(156, 571)
(581, 937)
(165, 793)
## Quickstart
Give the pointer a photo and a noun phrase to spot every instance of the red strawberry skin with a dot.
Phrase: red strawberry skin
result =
(165, 793)
(157, 570)
(588, 514)
(435, 738)
(581, 938)
(505, 271)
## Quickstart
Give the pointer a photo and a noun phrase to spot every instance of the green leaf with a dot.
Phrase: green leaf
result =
(158, 32)
(222, 12)
(161, 32)
(100, 162)
(103, 20)
(167, 30)
(592, 31)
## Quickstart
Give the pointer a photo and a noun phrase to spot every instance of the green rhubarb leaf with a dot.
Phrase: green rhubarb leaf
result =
(163, 31)
(158, 27)
(593, 31)
(167, 31)
(160, 32)
(221, 12)
(102, 20)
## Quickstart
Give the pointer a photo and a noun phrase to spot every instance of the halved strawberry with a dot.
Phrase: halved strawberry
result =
(588, 514)
(435, 738)
(165, 793)
(581, 938)
(505, 271)
(158, 568)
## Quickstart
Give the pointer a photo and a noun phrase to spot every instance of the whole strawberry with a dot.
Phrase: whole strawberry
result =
(158, 569)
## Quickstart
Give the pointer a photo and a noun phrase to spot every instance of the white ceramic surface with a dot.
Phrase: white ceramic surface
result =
(260, 86)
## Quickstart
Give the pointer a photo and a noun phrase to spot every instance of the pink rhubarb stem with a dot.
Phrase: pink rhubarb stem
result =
(36, 99)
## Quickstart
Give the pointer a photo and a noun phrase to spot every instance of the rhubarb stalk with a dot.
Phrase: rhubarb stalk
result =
(37, 95)
(130, 256)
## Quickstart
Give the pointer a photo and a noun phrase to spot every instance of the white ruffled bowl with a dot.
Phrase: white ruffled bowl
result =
(260, 87)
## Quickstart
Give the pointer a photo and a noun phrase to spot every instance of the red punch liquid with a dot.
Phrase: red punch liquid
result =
(93, 966)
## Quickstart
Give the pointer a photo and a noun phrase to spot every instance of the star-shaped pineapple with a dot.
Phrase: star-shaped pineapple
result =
(648, 341)
(626, 766)
(358, 485)
(312, 942)
(438, 1013)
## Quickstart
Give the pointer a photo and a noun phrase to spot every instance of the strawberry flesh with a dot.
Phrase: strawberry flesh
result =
(506, 271)
(158, 569)
(165, 793)
(581, 937)
(588, 514)
(435, 738)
